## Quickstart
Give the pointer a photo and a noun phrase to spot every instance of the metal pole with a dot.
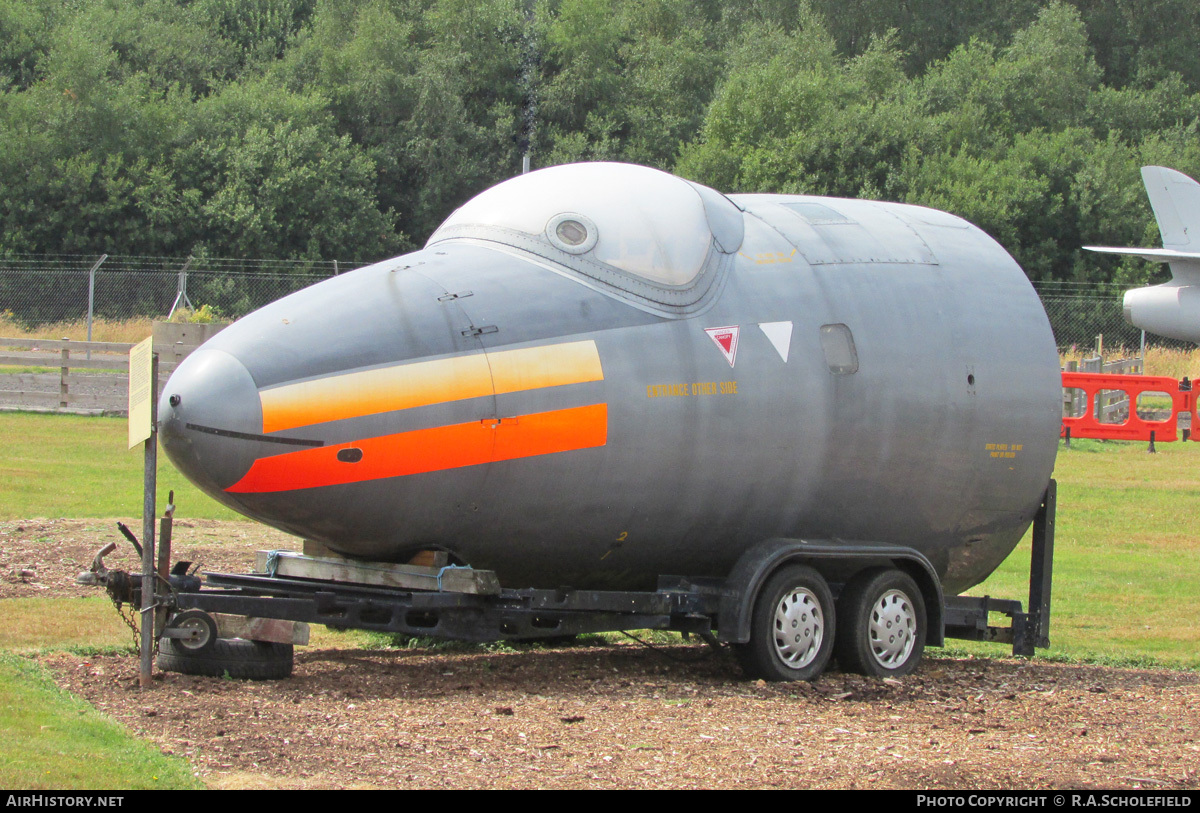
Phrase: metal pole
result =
(181, 297)
(92, 297)
(149, 484)
(1041, 570)
(527, 82)
(64, 372)
(164, 555)
(1143, 369)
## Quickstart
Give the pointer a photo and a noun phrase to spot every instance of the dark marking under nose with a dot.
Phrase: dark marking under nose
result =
(227, 433)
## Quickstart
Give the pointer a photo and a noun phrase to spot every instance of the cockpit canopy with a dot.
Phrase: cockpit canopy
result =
(652, 238)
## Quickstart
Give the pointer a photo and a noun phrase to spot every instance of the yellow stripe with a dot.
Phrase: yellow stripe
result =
(550, 366)
(371, 392)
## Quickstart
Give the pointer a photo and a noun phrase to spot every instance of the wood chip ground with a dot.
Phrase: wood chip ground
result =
(621, 715)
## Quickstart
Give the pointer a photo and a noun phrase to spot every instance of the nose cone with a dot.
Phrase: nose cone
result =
(208, 409)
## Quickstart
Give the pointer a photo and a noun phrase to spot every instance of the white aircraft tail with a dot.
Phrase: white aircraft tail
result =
(1175, 199)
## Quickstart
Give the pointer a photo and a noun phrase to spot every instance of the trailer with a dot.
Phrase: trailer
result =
(786, 608)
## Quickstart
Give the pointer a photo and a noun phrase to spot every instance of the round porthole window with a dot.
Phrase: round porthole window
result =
(571, 232)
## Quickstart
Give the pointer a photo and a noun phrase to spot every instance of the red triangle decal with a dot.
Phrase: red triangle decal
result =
(726, 339)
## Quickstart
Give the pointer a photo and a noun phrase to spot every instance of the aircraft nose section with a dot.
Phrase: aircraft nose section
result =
(208, 414)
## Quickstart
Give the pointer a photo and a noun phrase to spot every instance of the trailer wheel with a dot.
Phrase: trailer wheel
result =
(791, 628)
(883, 624)
(233, 657)
(199, 622)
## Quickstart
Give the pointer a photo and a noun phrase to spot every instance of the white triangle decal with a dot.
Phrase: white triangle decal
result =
(726, 340)
(780, 336)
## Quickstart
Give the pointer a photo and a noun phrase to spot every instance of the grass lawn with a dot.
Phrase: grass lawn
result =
(52, 740)
(1126, 556)
(76, 466)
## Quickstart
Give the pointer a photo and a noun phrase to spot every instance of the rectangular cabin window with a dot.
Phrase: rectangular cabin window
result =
(838, 343)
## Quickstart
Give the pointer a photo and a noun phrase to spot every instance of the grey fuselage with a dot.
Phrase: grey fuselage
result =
(848, 370)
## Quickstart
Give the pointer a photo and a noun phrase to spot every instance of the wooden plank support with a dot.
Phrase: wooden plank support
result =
(273, 630)
(377, 574)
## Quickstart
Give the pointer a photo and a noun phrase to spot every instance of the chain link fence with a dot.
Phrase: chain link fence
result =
(41, 289)
(1079, 312)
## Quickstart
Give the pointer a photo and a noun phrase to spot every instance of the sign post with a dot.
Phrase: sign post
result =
(143, 389)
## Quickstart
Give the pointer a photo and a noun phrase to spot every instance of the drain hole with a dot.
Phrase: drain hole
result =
(421, 620)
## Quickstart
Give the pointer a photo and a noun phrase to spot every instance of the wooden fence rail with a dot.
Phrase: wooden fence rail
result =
(90, 376)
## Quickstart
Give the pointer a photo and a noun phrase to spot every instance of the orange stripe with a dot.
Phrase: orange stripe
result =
(436, 449)
(370, 392)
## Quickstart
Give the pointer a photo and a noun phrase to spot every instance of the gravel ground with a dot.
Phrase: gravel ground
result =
(616, 715)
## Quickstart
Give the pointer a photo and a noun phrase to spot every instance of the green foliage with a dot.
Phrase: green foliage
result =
(203, 315)
(285, 129)
(25, 27)
(625, 81)
(429, 94)
(1135, 37)
(261, 29)
(792, 116)
(1022, 139)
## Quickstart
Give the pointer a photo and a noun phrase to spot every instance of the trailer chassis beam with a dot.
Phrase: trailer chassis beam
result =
(513, 615)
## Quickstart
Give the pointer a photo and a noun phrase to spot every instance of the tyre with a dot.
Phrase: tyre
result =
(232, 657)
(201, 624)
(791, 628)
(882, 624)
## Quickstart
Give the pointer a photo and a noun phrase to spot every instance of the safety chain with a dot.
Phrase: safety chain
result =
(130, 620)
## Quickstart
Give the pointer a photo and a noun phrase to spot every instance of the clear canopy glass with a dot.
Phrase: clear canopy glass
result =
(638, 220)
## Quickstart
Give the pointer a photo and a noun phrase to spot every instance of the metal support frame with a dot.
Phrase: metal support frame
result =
(1041, 575)
(513, 615)
(181, 296)
(967, 616)
(149, 574)
(92, 298)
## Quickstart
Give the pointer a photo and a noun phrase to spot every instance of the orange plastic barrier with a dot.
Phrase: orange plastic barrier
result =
(1088, 425)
